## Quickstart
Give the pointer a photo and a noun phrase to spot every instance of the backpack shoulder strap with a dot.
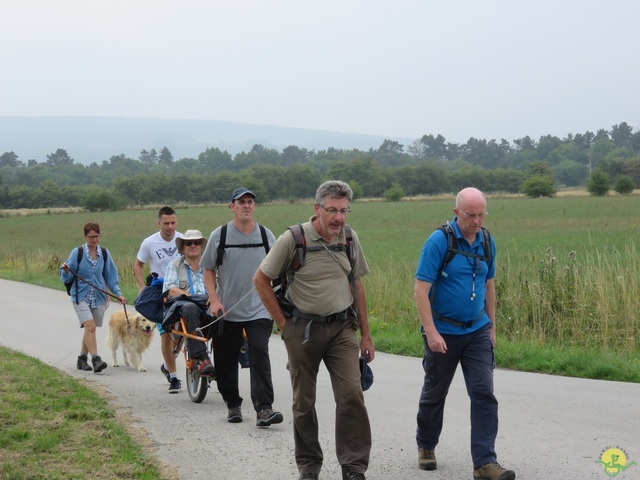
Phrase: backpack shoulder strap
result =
(221, 245)
(301, 246)
(297, 260)
(81, 253)
(75, 277)
(265, 240)
(105, 252)
(349, 237)
(452, 245)
(300, 249)
(486, 245)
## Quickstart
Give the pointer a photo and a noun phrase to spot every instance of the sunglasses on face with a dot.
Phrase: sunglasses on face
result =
(188, 243)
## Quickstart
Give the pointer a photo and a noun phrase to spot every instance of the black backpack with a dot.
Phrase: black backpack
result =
(220, 254)
(281, 283)
(223, 243)
(452, 247)
(74, 280)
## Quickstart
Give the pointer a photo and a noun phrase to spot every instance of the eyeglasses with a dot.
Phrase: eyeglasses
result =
(473, 216)
(93, 236)
(334, 211)
(188, 243)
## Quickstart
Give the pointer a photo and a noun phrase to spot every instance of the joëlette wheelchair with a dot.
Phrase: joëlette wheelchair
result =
(197, 385)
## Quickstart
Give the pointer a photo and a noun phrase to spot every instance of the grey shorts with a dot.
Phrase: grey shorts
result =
(86, 313)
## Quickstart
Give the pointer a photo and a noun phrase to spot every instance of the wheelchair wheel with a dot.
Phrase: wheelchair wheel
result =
(197, 386)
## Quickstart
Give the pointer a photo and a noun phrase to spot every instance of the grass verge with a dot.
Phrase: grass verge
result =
(52, 426)
(570, 362)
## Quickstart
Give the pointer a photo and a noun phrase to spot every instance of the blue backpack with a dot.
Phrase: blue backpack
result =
(149, 302)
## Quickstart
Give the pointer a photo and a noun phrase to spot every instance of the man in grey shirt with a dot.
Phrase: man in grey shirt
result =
(232, 256)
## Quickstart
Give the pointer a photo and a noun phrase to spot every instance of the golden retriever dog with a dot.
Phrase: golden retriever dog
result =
(134, 337)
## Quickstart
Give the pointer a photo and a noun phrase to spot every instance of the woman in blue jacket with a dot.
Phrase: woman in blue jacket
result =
(94, 264)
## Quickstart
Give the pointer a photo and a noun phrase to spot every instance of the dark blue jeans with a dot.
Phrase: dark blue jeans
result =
(474, 352)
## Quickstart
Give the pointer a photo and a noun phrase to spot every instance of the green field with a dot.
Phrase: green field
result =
(567, 281)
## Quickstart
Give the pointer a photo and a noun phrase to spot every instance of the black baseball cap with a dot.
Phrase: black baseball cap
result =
(239, 192)
(366, 374)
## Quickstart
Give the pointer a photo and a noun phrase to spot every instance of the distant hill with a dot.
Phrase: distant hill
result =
(94, 139)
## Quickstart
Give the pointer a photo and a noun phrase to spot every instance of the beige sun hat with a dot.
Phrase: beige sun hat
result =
(190, 235)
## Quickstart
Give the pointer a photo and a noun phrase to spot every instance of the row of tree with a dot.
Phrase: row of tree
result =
(429, 166)
(274, 182)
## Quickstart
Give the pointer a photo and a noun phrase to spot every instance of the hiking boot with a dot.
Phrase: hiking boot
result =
(309, 476)
(267, 417)
(493, 471)
(427, 459)
(205, 369)
(349, 475)
(98, 363)
(164, 370)
(82, 363)
(176, 385)
(234, 415)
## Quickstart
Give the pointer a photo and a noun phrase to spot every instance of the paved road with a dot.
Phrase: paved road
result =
(550, 427)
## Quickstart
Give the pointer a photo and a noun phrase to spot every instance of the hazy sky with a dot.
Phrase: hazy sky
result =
(403, 68)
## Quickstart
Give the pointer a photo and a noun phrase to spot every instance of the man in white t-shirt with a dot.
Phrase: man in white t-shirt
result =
(159, 250)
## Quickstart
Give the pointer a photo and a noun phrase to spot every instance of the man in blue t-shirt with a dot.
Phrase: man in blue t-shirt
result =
(457, 311)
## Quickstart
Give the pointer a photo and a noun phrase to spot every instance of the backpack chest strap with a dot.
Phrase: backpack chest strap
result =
(475, 256)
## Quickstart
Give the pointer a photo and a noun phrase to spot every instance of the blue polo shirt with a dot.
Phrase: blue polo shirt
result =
(450, 295)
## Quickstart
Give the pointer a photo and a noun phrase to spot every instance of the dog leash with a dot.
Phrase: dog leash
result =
(126, 315)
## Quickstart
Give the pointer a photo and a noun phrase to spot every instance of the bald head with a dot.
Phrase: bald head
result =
(471, 209)
(470, 196)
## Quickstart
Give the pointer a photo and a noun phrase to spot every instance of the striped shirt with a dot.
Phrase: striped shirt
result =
(171, 278)
(91, 295)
